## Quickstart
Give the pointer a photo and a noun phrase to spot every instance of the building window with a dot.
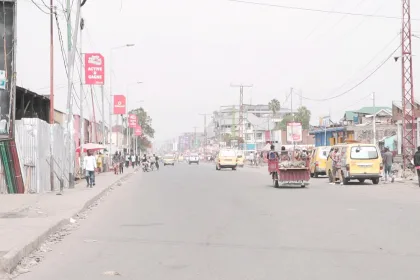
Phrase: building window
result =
(247, 137)
(258, 136)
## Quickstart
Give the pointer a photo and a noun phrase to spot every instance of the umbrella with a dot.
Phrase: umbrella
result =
(91, 147)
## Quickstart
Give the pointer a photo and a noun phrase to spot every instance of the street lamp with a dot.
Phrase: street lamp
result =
(127, 108)
(111, 94)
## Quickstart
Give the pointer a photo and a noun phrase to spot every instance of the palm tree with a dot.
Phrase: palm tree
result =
(274, 106)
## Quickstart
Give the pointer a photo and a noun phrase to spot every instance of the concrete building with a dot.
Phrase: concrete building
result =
(358, 125)
(258, 125)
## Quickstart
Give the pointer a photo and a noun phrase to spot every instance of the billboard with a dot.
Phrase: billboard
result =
(138, 131)
(119, 104)
(132, 121)
(294, 132)
(325, 121)
(94, 69)
(7, 68)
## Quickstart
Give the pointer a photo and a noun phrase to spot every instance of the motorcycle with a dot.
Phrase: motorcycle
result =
(145, 166)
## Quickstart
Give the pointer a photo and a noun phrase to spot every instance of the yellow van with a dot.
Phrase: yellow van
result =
(358, 162)
(319, 161)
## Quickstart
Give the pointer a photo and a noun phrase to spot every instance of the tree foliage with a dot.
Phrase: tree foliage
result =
(274, 106)
(303, 115)
(145, 121)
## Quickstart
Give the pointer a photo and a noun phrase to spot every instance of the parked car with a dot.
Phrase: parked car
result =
(194, 158)
(358, 162)
(319, 161)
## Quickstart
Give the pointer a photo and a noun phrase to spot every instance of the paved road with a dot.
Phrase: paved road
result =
(192, 222)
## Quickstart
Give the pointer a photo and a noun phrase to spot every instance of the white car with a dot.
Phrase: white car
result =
(193, 158)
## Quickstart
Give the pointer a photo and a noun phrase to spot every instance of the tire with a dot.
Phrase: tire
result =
(234, 168)
(375, 181)
(312, 175)
(362, 180)
(316, 175)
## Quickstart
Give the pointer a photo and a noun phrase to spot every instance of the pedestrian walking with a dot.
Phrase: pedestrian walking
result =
(116, 163)
(337, 163)
(90, 166)
(388, 160)
(121, 162)
(417, 163)
(133, 160)
(127, 160)
(99, 160)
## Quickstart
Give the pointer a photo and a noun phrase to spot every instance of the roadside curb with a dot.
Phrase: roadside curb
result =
(11, 259)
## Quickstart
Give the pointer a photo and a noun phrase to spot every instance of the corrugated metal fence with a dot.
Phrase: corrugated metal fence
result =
(33, 138)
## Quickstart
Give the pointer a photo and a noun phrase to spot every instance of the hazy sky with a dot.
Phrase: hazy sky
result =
(188, 52)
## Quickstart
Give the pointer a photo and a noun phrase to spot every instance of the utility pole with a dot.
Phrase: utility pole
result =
(103, 115)
(291, 110)
(69, 118)
(195, 137)
(241, 108)
(374, 119)
(52, 11)
(205, 130)
(82, 97)
(409, 119)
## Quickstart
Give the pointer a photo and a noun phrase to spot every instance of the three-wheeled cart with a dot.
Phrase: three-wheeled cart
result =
(290, 175)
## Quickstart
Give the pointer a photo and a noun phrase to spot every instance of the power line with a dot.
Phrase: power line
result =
(370, 61)
(315, 10)
(359, 83)
(39, 8)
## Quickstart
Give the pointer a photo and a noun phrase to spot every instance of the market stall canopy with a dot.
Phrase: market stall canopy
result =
(91, 147)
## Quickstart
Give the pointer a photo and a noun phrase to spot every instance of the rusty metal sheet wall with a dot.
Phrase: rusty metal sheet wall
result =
(33, 138)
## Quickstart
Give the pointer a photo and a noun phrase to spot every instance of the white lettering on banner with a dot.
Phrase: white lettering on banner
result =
(94, 69)
(95, 77)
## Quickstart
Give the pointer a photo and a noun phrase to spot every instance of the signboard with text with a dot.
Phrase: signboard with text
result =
(119, 104)
(132, 121)
(138, 131)
(294, 132)
(94, 69)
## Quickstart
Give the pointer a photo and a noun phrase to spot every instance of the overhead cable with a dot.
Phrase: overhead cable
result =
(316, 10)
(359, 83)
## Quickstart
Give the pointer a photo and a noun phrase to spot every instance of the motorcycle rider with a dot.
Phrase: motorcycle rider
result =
(145, 162)
(156, 161)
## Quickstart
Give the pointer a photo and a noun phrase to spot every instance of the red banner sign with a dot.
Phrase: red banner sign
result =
(138, 131)
(132, 121)
(94, 69)
(267, 135)
(119, 104)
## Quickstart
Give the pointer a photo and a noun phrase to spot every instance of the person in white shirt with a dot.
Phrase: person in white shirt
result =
(89, 164)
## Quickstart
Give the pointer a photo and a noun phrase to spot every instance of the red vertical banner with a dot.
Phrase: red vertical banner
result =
(94, 69)
(138, 131)
(132, 121)
(119, 104)
(267, 135)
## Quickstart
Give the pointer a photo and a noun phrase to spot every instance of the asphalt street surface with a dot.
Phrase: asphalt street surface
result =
(193, 222)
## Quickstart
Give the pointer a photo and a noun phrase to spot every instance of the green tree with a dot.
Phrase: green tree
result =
(145, 121)
(274, 106)
(303, 115)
